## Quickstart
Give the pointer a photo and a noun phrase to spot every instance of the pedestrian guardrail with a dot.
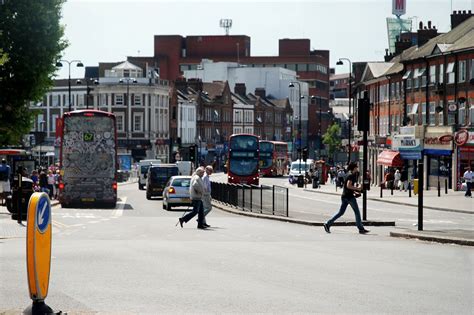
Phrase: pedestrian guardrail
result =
(263, 199)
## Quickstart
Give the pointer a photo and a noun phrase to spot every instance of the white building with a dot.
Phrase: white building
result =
(275, 81)
(141, 106)
(186, 122)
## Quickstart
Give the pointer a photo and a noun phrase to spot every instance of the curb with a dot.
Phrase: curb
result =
(397, 203)
(431, 238)
(296, 221)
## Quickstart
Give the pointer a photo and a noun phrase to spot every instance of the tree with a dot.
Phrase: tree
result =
(31, 41)
(332, 139)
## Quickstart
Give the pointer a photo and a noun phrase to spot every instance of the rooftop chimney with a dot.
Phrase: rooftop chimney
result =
(240, 89)
(426, 33)
(459, 17)
(260, 92)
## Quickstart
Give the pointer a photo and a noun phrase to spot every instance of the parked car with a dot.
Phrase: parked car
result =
(157, 177)
(122, 176)
(176, 192)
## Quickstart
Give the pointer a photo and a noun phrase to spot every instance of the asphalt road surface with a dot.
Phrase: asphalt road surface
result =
(134, 260)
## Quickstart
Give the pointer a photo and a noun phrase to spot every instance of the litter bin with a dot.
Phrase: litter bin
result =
(316, 182)
(300, 181)
(415, 186)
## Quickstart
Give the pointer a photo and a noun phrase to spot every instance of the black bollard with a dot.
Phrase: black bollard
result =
(446, 186)
(409, 189)
(391, 190)
(439, 189)
(420, 196)
(381, 191)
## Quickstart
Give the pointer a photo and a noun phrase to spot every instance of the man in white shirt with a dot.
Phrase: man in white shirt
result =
(468, 178)
(206, 198)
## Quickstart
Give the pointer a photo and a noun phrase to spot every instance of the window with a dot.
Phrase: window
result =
(137, 100)
(432, 74)
(462, 71)
(432, 113)
(53, 122)
(119, 120)
(138, 122)
(56, 100)
(118, 99)
(103, 99)
(472, 68)
(450, 72)
(462, 114)
(423, 114)
(451, 115)
(471, 115)
(441, 74)
(440, 115)
(413, 113)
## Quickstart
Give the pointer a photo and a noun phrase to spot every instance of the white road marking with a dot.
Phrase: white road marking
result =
(120, 206)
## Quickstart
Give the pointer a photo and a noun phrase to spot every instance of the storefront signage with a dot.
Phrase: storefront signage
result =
(452, 107)
(406, 142)
(446, 138)
(461, 137)
(442, 140)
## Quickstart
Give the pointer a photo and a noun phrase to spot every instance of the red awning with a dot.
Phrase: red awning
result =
(390, 158)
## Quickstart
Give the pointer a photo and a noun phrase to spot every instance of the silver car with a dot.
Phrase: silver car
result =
(176, 192)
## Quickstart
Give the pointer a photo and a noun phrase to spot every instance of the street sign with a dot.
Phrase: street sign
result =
(38, 245)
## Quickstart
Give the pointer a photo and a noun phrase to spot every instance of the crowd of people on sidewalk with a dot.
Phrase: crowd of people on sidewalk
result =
(44, 179)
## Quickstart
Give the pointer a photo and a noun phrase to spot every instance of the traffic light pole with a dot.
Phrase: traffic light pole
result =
(363, 125)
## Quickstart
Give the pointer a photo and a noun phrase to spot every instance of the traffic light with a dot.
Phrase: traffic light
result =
(305, 154)
(192, 153)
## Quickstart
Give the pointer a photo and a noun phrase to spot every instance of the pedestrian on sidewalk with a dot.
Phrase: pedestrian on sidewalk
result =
(404, 179)
(396, 183)
(468, 174)
(5, 173)
(350, 192)
(206, 197)
(196, 190)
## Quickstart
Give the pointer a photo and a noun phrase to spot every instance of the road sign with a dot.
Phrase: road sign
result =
(38, 245)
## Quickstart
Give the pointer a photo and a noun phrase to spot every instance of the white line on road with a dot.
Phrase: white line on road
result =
(120, 206)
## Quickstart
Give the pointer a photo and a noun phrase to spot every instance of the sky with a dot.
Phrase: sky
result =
(111, 30)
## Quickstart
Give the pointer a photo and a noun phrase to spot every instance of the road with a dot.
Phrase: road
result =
(134, 260)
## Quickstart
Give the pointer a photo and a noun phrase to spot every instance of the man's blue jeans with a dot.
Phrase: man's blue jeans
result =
(345, 202)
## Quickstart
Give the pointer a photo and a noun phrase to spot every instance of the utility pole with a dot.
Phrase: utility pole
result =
(364, 126)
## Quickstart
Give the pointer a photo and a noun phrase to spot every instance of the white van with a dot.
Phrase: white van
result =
(143, 167)
(185, 168)
(298, 165)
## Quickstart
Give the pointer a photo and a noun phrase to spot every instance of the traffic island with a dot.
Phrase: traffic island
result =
(459, 237)
(234, 210)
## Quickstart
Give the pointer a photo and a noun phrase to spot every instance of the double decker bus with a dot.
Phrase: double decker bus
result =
(88, 159)
(273, 158)
(243, 159)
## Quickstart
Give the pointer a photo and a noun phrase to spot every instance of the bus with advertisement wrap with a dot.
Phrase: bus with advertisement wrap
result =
(273, 158)
(88, 159)
(243, 159)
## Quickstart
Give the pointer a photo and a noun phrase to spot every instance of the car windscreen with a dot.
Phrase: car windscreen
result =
(162, 174)
(297, 167)
(181, 182)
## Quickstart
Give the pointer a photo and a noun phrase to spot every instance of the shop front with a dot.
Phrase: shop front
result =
(438, 152)
(464, 141)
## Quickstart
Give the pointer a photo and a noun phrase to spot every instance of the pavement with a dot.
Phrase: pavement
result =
(454, 201)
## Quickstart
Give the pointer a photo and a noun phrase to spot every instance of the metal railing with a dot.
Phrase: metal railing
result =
(263, 199)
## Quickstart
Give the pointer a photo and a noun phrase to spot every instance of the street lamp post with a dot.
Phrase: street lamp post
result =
(89, 89)
(41, 127)
(129, 110)
(79, 64)
(292, 85)
(350, 104)
(313, 98)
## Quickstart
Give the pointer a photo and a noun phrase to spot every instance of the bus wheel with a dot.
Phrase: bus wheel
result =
(148, 196)
(140, 186)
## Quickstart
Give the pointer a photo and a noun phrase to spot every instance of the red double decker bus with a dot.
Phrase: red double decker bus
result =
(273, 158)
(243, 159)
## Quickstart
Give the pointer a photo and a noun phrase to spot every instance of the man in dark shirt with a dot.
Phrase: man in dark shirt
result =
(349, 198)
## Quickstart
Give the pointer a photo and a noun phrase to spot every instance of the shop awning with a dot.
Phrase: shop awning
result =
(390, 158)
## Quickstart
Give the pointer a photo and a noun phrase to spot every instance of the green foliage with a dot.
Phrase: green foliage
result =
(332, 139)
(31, 40)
